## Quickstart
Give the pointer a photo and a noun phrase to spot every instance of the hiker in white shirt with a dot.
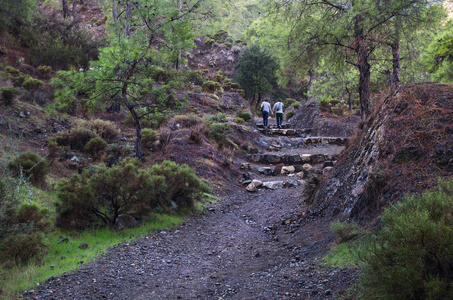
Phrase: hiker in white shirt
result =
(266, 110)
(278, 108)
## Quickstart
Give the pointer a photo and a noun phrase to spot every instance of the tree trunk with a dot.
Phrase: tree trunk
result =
(65, 8)
(364, 69)
(74, 9)
(115, 9)
(127, 27)
(396, 74)
(138, 124)
(310, 82)
(179, 4)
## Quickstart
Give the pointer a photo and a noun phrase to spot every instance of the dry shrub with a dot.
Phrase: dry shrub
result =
(185, 121)
(165, 138)
(95, 146)
(103, 128)
(76, 138)
(197, 134)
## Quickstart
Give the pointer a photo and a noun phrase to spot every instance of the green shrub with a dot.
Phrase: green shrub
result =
(44, 72)
(32, 84)
(211, 86)
(290, 114)
(239, 120)
(246, 116)
(12, 71)
(220, 36)
(217, 118)
(194, 77)
(296, 105)
(85, 200)
(183, 185)
(290, 101)
(30, 165)
(149, 136)
(344, 231)
(20, 231)
(412, 254)
(95, 146)
(8, 94)
(76, 138)
(218, 131)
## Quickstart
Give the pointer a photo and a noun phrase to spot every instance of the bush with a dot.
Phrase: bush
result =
(8, 94)
(30, 165)
(290, 101)
(194, 77)
(183, 185)
(104, 128)
(218, 131)
(85, 200)
(217, 118)
(211, 86)
(411, 256)
(20, 231)
(88, 199)
(296, 105)
(76, 138)
(290, 114)
(344, 231)
(197, 133)
(239, 120)
(149, 136)
(32, 84)
(185, 121)
(44, 72)
(95, 146)
(246, 116)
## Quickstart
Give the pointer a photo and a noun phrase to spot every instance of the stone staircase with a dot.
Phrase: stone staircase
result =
(292, 159)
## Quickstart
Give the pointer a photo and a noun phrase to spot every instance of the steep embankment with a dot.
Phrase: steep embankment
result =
(404, 147)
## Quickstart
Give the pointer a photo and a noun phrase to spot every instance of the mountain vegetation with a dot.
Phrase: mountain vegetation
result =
(97, 98)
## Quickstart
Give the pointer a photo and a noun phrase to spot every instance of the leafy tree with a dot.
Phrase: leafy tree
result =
(256, 73)
(350, 30)
(15, 12)
(439, 56)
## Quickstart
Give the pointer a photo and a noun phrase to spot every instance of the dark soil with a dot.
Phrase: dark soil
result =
(249, 246)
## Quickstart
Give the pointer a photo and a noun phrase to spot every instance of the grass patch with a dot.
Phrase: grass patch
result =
(66, 256)
(343, 255)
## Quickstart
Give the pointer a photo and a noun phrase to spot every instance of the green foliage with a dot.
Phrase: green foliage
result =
(194, 77)
(76, 138)
(211, 86)
(256, 72)
(218, 131)
(85, 200)
(296, 105)
(411, 256)
(95, 146)
(68, 84)
(149, 136)
(344, 231)
(245, 115)
(439, 58)
(239, 120)
(58, 43)
(15, 12)
(31, 166)
(217, 118)
(32, 84)
(44, 71)
(290, 114)
(183, 186)
(8, 93)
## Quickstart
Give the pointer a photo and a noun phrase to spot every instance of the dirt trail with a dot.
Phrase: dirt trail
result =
(249, 246)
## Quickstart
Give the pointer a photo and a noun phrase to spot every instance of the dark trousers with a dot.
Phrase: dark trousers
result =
(265, 117)
(279, 117)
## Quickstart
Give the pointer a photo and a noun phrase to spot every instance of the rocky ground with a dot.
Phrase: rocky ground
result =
(248, 246)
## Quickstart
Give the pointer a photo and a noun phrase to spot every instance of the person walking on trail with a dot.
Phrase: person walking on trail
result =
(278, 108)
(266, 110)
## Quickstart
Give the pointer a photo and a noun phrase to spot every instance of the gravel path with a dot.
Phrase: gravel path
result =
(249, 246)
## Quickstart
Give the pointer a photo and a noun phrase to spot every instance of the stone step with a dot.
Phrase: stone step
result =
(271, 158)
(285, 132)
(273, 126)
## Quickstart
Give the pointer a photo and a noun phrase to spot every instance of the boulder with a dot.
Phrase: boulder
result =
(288, 170)
(125, 221)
